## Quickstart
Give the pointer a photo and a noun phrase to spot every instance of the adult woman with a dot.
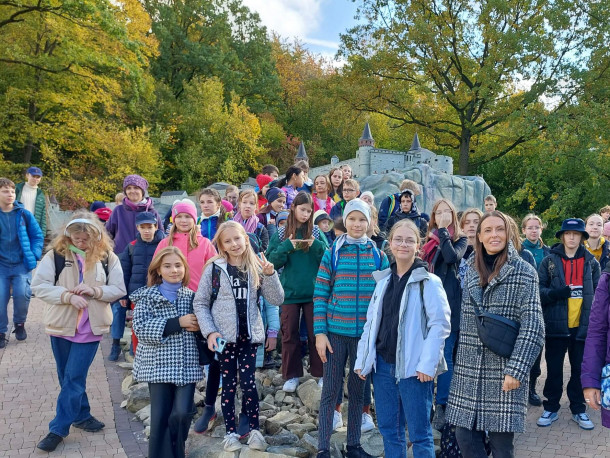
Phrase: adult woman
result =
(77, 314)
(445, 245)
(596, 244)
(597, 346)
(336, 184)
(122, 228)
(489, 392)
(400, 346)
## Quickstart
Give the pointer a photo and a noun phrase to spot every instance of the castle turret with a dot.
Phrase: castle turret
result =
(366, 143)
(301, 154)
(366, 139)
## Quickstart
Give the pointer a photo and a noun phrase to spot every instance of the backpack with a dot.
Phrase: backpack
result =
(255, 239)
(392, 206)
(60, 263)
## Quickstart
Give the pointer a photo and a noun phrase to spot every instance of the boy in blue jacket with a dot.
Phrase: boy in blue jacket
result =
(135, 260)
(21, 240)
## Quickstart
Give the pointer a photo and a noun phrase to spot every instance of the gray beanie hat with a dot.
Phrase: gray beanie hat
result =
(358, 205)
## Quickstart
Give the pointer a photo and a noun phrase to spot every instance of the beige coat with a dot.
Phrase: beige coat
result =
(61, 317)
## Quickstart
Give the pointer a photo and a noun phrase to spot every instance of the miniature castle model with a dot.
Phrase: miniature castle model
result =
(370, 160)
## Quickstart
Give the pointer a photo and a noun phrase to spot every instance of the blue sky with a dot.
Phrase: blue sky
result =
(317, 23)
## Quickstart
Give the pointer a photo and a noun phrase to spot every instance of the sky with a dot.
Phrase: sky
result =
(317, 23)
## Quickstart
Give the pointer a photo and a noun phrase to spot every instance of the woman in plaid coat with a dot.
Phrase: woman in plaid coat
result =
(489, 392)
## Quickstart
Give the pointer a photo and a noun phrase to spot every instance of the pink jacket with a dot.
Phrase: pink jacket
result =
(196, 258)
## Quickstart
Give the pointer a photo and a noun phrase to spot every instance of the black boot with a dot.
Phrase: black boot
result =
(533, 397)
(355, 451)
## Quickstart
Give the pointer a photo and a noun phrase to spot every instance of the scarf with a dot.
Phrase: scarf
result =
(428, 251)
(344, 238)
(203, 217)
(248, 224)
(169, 290)
(140, 206)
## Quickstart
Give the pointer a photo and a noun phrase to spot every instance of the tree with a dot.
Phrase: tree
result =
(463, 71)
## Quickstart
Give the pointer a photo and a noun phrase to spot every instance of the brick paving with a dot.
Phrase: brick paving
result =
(29, 389)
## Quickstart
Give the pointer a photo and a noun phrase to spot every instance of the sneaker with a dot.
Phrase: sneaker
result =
(355, 451)
(367, 423)
(50, 442)
(3, 340)
(91, 425)
(534, 399)
(19, 331)
(257, 441)
(337, 420)
(438, 421)
(321, 382)
(203, 423)
(547, 418)
(243, 429)
(290, 386)
(231, 443)
(583, 421)
(115, 351)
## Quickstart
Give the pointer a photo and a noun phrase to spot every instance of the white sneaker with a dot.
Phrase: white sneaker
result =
(321, 382)
(256, 441)
(231, 442)
(290, 386)
(337, 420)
(367, 423)
(583, 421)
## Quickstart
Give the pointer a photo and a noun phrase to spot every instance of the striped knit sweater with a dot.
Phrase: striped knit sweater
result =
(343, 310)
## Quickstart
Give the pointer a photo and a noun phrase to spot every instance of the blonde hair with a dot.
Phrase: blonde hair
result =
(409, 224)
(593, 215)
(155, 278)
(411, 185)
(374, 226)
(193, 233)
(99, 244)
(248, 192)
(514, 232)
(457, 230)
(352, 182)
(249, 260)
(467, 212)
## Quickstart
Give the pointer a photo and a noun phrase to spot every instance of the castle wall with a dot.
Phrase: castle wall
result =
(325, 169)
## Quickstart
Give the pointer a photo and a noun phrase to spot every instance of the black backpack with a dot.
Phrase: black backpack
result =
(60, 263)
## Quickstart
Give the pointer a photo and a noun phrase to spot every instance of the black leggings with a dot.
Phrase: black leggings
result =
(171, 411)
(472, 443)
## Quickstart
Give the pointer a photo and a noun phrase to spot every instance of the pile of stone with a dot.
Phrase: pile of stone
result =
(289, 421)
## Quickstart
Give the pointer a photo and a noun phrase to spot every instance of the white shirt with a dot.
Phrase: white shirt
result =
(28, 197)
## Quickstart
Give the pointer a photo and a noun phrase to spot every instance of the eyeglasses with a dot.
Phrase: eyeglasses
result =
(407, 242)
(348, 190)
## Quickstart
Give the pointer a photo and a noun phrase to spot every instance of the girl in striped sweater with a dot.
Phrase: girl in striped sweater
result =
(344, 287)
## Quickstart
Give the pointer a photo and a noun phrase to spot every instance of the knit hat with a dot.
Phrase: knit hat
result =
(263, 180)
(282, 216)
(321, 215)
(184, 206)
(368, 193)
(135, 180)
(274, 194)
(357, 205)
(607, 229)
(97, 204)
(103, 213)
(227, 205)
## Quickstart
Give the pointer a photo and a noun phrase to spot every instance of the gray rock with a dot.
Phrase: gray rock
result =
(125, 365)
(123, 403)
(198, 398)
(143, 413)
(279, 396)
(309, 443)
(372, 443)
(282, 437)
(126, 384)
(264, 406)
(219, 431)
(268, 413)
(138, 397)
(288, 400)
(287, 450)
(281, 420)
(286, 408)
(249, 453)
(309, 393)
(128, 357)
(300, 429)
(278, 380)
(269, 399)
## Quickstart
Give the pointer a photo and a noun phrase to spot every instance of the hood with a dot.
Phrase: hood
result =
(559, 250)
(419, 272)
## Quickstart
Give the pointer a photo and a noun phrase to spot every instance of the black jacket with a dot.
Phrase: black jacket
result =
(135, 260)
(413, 215)
(446, 262)
(554, 292)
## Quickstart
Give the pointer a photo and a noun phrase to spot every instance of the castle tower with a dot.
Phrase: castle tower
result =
(365, 144)
(301, 154)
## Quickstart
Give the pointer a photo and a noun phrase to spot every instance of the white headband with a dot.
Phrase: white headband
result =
(83, 221)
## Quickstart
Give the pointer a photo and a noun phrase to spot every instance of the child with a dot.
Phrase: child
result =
(605, 212)
(185, 235)
(293, 180)
(351, 189)
(597, 244)
(403, 393)
(490, 203)
(213, 213)
(339, 228)
(297, 249)
(270, 170)
(532, 227)
(231, 195)
(77, 279)
(21, 240)
(391, 204)
(276, 202)
(246, 216)
(325, 223)
(344, 287)
(347, 172)
(167, 358)
(335, 176)
(321, 197)
(99, 208)
(368, 197)
(263, 186)
(408, 209)
(137, 257)
(234, 316)
(282, 218)
(307, 183)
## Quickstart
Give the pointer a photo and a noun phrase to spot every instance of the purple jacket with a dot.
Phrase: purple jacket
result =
(122, 222)
(597, 345)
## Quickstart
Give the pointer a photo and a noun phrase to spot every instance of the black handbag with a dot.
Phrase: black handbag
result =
(496, 332)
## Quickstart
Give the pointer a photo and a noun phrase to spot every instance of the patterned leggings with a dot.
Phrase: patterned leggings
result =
(242, 356)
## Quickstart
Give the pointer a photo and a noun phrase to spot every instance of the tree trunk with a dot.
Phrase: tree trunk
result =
(464, 151)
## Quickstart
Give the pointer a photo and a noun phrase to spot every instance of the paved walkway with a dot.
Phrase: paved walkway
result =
(29, 388)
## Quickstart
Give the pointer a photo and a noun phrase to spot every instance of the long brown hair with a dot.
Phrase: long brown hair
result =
(154, 276)
(457, 230)
(485, 275)
(302, 198)
(214, 194)
(339, 189)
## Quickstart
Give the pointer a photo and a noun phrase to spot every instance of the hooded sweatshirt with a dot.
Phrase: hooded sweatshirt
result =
(574, 270)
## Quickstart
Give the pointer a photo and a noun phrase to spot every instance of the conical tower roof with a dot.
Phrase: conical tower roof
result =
(415, 145)
(366, 133)
(302, 154)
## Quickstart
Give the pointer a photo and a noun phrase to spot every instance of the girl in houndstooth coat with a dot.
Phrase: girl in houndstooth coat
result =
(489, 392)
(167, 356)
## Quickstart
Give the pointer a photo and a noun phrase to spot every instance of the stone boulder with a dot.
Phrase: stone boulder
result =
(310, 393)
(281, 420)
(138, 397)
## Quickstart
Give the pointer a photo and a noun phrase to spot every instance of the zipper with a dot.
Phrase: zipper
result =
(357, 288)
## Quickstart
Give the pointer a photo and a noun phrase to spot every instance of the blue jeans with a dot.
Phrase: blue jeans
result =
(443, 381)
(73, 361)
(19, 278)
(408, 400)
(117, 328)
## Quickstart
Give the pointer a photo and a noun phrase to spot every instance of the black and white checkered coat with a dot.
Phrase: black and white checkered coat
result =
(476, 388)
(172, 359)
